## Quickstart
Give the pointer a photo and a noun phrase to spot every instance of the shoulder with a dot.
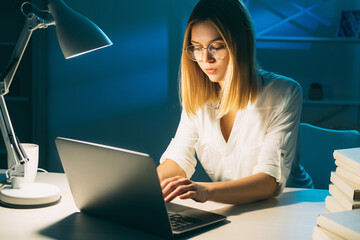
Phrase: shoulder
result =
(278, 89)
(276, 82)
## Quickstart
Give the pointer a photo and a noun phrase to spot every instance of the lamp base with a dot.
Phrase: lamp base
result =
(30, 195)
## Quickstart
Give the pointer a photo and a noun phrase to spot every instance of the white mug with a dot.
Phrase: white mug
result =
(32, 152)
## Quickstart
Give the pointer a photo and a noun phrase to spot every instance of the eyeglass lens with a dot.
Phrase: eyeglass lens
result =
(216, 50)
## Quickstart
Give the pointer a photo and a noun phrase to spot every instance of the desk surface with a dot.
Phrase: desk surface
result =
(292, 215)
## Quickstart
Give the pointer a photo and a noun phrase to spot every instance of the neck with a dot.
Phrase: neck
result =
(221, 84)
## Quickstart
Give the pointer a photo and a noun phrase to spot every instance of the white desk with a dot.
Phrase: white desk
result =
(290, 216)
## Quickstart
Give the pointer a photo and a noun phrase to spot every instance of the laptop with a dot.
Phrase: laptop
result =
(123, 186)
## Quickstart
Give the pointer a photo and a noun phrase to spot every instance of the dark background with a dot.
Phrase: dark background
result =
(126, 95)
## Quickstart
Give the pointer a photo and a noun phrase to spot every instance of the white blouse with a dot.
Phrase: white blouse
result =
(263, 137)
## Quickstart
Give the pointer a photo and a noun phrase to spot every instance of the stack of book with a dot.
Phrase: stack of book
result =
(342, 220)
(338, 225)
(345, 181)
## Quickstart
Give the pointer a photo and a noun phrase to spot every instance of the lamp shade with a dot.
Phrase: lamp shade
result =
(76, 34)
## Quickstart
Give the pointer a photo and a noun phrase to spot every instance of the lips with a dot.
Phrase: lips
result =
(210, 70)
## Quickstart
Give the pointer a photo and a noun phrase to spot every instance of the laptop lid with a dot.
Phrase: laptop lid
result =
(115, 184)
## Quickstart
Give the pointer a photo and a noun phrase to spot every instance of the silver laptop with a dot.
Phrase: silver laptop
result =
(123, 186)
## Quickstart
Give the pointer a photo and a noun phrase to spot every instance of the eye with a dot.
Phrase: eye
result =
(217, 46)
(197, 48)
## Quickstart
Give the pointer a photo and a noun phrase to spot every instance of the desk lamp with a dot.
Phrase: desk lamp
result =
(76, 35)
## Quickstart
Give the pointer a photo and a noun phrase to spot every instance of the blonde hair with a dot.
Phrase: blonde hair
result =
(242, 80)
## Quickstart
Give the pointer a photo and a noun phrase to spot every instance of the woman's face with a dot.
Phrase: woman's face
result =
(202, 35)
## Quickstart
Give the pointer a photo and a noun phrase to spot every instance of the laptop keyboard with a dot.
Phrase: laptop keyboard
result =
(179, 222)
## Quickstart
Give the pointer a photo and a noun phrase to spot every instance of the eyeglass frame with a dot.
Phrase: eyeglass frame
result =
(202, 50)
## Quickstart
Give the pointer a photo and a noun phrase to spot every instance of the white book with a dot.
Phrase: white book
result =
(320, 233)
(341, 198)
(341, 164)
(350, 156)
(350, 189)
(332, 205)
(345, 224)
(348, 175)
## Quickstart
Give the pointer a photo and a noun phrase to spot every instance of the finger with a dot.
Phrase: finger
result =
(187, 195)
(194, 195)
(178, 191)
(171, 186)
(169, 180)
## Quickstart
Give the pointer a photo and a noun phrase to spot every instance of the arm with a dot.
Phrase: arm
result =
(169, 169)
(252, 188)
(279, 147)
(179, 157)
(255, 187)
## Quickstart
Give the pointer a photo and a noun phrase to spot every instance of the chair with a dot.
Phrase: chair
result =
(317, 147)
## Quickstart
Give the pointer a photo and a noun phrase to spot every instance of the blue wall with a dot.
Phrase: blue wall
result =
(125, 95)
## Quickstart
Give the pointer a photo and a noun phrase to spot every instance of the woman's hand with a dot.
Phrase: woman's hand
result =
(184, 188)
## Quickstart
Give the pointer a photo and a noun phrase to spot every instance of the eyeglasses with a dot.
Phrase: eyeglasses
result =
(216, 50)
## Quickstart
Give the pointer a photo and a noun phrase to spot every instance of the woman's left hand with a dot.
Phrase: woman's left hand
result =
(184, 188)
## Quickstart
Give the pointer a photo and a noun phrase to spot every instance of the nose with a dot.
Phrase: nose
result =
(207, 57)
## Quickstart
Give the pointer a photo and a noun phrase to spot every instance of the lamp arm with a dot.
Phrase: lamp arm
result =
(32, 23)
(16, 154)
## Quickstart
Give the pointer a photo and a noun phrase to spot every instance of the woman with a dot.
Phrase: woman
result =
(241, 122)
